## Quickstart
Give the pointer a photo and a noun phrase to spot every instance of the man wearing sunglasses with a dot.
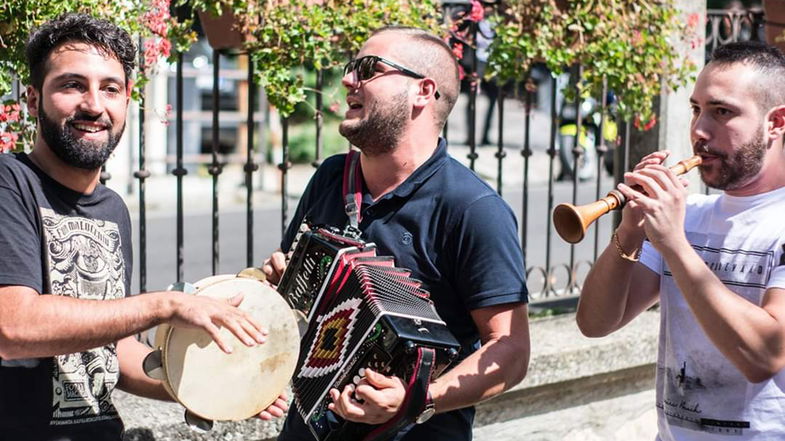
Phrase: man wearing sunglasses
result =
(436, 218)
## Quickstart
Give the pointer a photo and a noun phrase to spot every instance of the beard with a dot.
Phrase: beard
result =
(737, 168)
(381, 130)
(79, 153)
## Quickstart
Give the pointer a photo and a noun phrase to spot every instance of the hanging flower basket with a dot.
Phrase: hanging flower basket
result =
(224, 31)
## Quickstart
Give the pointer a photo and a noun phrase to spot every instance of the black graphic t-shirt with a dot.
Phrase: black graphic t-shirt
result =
(61, 242)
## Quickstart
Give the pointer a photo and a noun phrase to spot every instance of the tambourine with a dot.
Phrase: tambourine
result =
(213, 385)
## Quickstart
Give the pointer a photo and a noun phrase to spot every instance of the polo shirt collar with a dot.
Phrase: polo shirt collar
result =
(422, 173)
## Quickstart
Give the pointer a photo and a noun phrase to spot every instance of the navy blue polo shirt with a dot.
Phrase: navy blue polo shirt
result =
(451, 230)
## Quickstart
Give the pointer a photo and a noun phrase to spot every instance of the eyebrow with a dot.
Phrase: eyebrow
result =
(715, 102)
(76, 76)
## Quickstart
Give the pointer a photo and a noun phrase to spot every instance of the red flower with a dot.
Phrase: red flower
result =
(647, 126)
(457, 50)
(7, 141)
(477, 13)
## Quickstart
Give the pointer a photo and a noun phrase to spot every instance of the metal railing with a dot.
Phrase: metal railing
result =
(554, 269)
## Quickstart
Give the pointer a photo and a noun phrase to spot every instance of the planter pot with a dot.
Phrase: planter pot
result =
(223, 31)
(774, 11)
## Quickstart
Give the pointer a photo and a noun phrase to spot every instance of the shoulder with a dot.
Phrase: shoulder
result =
(461, 185)
(331, 166)
(12, 168)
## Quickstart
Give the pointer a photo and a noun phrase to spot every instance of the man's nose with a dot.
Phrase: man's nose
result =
(349, 80)
(699, 129)
(92, 102)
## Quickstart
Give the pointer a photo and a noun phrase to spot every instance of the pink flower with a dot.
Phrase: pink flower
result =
(693, 20)
(457, 50)
(165, 47)
(7, 141)
(477, 13)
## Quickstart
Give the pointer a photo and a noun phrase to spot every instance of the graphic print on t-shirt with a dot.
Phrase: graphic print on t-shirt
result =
(700, 389)
(85, 262)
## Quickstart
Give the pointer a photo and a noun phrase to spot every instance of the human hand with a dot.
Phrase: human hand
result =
(274, 267)
(211, 314)
(660, 201)
(374, 400)
(275, 410)
(632, 217)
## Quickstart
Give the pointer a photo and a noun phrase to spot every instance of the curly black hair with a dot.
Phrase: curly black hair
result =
(105, 36)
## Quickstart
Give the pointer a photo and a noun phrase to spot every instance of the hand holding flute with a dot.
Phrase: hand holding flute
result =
(572, 221)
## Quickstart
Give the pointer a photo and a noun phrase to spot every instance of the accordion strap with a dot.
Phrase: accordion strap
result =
(414, 401)
(352, 188)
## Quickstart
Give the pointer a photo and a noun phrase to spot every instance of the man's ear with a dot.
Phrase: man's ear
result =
(33, 100)
(775, 124)
(426, 92)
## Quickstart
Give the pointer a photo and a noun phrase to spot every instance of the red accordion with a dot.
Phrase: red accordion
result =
(362, 312)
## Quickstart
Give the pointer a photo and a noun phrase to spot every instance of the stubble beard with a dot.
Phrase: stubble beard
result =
(382, 128)
(79, 153)
(738, 168)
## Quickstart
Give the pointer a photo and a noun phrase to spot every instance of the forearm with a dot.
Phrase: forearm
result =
(133, 379)
(33, 325)
(605, 304)
(749, 335)
(496, 367)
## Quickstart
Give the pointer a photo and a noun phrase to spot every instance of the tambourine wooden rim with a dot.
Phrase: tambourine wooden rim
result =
(228, 387)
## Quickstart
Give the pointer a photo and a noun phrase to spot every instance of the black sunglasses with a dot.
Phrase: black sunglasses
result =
(365, 68)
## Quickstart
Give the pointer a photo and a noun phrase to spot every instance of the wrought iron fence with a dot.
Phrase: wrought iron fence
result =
(554, 269)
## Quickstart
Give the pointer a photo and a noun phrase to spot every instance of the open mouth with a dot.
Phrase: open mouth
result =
(89, 127)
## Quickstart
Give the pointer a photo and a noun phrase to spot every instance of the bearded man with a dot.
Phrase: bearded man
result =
(436, 218)
(67, 316)
(716, 263)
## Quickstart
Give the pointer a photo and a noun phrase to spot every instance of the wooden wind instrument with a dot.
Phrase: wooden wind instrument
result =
(571, 222)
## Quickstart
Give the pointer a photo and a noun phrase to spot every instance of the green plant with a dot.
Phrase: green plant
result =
(295, 33)
(163, 36)
(302, 138)
(626, 42)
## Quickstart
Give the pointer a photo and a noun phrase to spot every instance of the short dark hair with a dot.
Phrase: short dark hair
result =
(763, 58)
(433, 58)
(108, 38)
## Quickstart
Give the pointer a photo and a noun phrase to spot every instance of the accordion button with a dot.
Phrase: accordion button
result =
(356, 379)
(361, 372)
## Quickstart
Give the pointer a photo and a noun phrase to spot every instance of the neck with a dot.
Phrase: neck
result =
(77, 179)
(384, 172)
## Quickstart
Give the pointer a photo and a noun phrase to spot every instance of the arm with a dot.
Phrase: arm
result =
(33, 325)
(498, 365)
(617, 290)
(131, 354)
(752, 337)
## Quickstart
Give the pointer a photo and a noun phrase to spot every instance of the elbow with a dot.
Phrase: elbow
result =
(520, 366)
(761, 373)
(591, 328)
(10, 347)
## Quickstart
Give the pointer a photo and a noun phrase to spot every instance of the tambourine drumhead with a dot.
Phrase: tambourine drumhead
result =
(219, 386)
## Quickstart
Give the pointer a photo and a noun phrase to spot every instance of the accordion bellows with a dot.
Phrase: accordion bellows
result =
(363, 312)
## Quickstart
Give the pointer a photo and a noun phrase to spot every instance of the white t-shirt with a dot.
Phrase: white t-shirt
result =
(701, 395)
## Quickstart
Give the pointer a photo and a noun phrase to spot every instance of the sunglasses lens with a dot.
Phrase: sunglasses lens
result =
(366, 68)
